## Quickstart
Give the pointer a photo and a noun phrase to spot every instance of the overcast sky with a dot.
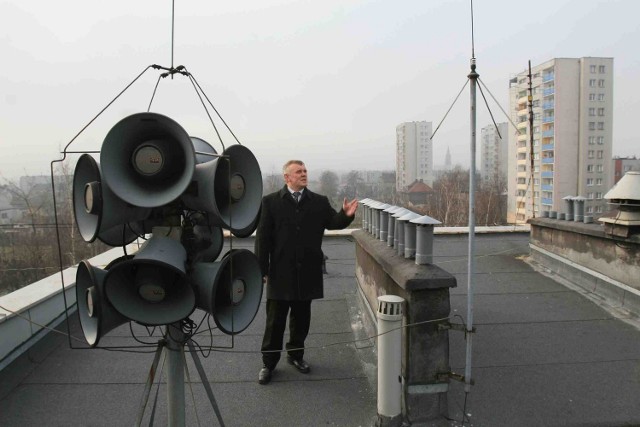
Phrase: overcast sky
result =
(326, 81)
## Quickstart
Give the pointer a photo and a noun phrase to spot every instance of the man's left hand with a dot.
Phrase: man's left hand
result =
(349, 208)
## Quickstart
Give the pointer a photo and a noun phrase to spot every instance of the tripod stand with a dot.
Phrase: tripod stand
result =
(173, 346)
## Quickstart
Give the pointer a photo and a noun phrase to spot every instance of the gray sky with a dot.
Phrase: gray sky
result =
(324, 81)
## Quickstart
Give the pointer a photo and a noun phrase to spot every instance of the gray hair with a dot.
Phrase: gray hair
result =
(289, 163)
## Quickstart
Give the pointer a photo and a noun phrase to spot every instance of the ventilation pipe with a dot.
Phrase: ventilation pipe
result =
(568, 200)
(578, 208)
(424, 238)
(409, 234)
(389, 361)
(391, 223)
(398, 236)
(383, 220)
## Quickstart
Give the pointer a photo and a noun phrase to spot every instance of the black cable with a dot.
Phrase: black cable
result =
(215, 128)
(153, 95)
(489, 109)
(447, 113)
(214, 109)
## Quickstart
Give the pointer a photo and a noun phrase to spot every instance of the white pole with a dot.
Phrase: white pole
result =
(389, 359)
(473, 77)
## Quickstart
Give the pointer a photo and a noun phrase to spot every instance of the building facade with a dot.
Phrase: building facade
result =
(570, 140)
(622, 165)
(414, 154)
(494, 151)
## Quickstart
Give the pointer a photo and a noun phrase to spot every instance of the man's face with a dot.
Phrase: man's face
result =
(296, 176)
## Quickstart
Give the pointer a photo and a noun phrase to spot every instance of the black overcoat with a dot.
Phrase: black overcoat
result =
(289, 243)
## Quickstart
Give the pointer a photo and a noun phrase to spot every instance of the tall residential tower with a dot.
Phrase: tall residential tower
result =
(572, 102)
(494, 154)
(414, 154)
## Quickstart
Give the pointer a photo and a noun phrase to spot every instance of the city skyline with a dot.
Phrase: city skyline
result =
(321, 82)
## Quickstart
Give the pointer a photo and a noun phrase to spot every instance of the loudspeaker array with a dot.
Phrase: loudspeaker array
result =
(155, 180)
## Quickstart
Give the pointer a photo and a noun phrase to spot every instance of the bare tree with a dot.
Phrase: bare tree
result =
(329, 184)
(272, 183)
(451, 197)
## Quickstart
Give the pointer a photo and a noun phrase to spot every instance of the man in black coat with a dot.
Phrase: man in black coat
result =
(288, 246)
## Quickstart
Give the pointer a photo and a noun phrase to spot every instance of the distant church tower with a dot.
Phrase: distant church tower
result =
(447, 160)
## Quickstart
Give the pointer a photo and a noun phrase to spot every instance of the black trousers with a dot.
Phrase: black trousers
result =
(299, 321)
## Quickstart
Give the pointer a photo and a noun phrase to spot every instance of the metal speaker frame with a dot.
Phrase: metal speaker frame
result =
(229, 188)
(230, 289)
(152, 288)
(147, 159)
(98, 212)
(97, 316)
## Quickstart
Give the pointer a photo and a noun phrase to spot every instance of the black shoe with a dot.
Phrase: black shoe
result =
(300, 365)
(264, 377)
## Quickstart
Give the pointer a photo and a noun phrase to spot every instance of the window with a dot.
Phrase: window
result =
(601, 83)
(592, 140)
(536, 103)
(592, 82)
(601, 69)
(601, 111)
(592, 97)
(599, 209)
(592, 112)
(598, 196)
(600, 154)
(536, 181)
(601, 140)
(601, 97)
(590, 196)
(592, 125)
(600, 168)
(589, 182)
(591, 154)
(589, 168)
(593, 69)
(600, 125)
(598, 181)
(589, 209)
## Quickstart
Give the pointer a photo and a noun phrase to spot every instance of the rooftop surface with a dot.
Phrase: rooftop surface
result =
(543, 355)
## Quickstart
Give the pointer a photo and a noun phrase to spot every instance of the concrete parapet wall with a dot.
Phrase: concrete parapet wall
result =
(585, 255)
(425, 352)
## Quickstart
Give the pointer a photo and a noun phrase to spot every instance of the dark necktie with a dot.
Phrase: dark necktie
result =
(296, 196)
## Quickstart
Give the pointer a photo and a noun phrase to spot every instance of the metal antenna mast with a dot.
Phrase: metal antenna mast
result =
(530, 104)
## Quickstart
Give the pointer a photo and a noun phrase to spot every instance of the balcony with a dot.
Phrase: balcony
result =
(548, 77)
(548, 105)
(547, 133)
(548, 147)
(546, 174)
(546, 201)
(547, 187)
(548, 160)
(548, 91)
(548, 119)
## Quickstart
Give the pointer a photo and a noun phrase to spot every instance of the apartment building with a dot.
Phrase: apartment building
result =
(494, 151)
(414, 154)
(572, 103)
(622, 165)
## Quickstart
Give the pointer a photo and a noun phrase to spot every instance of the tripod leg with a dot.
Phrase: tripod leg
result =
(205, 382)
(147, 387)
